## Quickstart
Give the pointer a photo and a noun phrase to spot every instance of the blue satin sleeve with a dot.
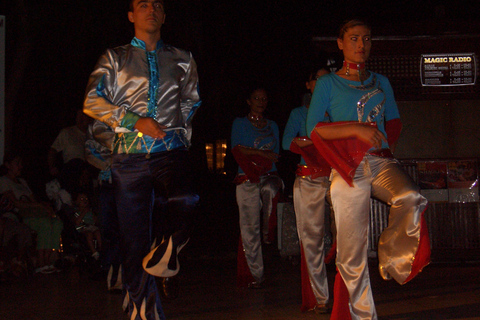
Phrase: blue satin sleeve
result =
(391, 108)
(319, 104)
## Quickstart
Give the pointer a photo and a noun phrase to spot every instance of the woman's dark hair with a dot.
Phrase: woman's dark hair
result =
(350, 24)
(311, 71)
(254, 87)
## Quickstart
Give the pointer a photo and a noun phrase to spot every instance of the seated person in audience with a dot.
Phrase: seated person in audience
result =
(39, 216)
(16, 240)
(86, 223)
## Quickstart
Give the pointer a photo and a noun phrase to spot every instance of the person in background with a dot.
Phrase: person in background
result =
(365, 122)
(16, 241)
(100, 156)
(70, 142)
(309, 194)
(255, 146)
(86, 223)
(38, 215)
(146, 92)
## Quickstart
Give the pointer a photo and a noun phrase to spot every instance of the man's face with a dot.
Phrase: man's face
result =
(147, 15)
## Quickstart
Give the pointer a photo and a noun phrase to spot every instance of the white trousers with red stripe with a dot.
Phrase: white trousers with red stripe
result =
(253, 199)
(309, 201)
(385, 180)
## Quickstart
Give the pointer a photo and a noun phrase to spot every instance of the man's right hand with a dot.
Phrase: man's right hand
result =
(150, 127)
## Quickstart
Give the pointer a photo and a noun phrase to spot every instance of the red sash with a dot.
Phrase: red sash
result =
(316, 164)
(344, 155)
(254, 166)
(313, 172)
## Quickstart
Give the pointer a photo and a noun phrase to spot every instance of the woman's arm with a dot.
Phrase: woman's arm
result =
(237, 141)
(28, 202)
(364, 132)
(269, 154)
(318, 105)
(292, 129)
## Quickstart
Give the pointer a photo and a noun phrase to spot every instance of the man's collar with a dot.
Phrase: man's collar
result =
(141, 44)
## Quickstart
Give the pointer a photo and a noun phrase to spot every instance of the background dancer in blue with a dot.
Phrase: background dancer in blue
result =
(255, 146)
(147, 93)
(309, 194)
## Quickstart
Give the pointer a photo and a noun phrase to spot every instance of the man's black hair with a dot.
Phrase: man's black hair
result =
(130, 5)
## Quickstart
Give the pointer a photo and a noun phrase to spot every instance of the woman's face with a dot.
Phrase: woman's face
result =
(15, 166)
(356, 44)
(258, 101)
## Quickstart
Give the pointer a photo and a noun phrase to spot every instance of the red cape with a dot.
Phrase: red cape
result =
(316, 164)
(344, 155)
(254, 166)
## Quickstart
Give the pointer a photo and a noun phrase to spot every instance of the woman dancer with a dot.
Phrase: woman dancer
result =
(365, 124)
(255, 146)
(309, 192)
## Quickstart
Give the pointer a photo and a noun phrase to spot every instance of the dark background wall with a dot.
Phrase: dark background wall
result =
(52, 47)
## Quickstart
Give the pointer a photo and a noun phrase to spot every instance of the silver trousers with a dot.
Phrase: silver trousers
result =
(385, 180)
(253, 199)
(309, 201)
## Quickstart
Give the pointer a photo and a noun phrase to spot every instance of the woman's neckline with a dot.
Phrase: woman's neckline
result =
(367, 80)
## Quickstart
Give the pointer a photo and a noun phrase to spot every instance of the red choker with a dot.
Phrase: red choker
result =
(355, 66)
(360, 67)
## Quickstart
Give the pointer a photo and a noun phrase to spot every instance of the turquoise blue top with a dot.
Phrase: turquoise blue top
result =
(244, 133)
(295, 127)
(346, 100)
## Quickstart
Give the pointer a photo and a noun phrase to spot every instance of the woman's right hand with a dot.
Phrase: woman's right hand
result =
(269, 154)
(370, 134)
(363, 131)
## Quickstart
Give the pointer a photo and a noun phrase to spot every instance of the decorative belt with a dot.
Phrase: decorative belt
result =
(314, 172)
(241, 178)
(137, 142)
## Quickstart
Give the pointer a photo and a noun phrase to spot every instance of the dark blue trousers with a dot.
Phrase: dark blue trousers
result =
(139, 183)
(110, 256)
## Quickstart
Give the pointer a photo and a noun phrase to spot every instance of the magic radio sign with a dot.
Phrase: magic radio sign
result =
(452, 69)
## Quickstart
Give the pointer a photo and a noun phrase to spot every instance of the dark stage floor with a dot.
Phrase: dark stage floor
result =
(208, 291)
